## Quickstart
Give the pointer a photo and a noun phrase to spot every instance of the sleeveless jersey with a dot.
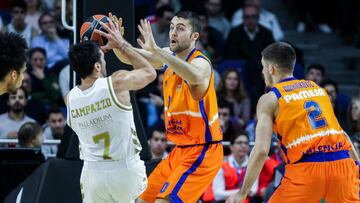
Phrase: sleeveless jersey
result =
(306, 122)
(26, 33)
(105, 127)
(187, 120)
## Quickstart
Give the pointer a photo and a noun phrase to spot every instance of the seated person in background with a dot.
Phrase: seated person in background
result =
(158, 144)
(354, 115)
(230, 177)
(15, 117)
(267, 19)
(339, 101)
(56, 48)
(18, 24)
(316, 73)
(30, 135)
(229, 126)
(54, 129)
(44, 82)
(232, 90)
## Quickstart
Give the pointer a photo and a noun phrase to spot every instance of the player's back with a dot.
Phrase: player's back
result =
(105, 127)
(306, 123)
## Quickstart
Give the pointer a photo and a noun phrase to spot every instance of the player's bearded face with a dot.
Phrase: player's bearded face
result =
(15, 84)
(266, 74)
(180, 34)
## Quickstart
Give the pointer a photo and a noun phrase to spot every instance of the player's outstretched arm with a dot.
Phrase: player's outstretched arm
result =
(136, 79)
(266, 107)
(196, 73)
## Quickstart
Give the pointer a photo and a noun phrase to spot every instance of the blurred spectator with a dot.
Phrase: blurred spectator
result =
(17, 24)
(232, 90)
(34, 108)
(30, 135)
(45, 86)
(1, 23)
(60, 29)
(354, 115)
(316, 73)
(56, 48)
(64, 80)
(231, 175)
(161, 26)
(54, 129)
(175, 4)
(339, 101)
(15, 117)
(216, 18)
(246, 41)
(33, 13)
(158, 144)
(310, 17)
(266, 19)
(211, 41)
(229, 126)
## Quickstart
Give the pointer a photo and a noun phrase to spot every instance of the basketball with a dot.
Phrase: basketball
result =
(92, 23)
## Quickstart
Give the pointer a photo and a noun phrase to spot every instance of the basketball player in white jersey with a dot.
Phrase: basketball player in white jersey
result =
(100, 112)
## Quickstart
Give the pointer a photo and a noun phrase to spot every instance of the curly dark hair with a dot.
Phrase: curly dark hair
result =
(12, 53)
(83, 56)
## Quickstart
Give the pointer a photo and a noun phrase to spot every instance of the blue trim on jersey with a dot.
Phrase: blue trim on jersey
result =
(164, 68)
(276, 91)
(190, 54)
(283, 148)
(287, 79)
(173, 196)
(325, 156)
(208, 137)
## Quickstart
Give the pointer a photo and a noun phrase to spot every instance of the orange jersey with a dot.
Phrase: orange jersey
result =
(306, 123)
(187, 120)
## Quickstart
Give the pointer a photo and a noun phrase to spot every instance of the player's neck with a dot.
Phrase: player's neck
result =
(88, 81)
(278, 78)
(184, 54)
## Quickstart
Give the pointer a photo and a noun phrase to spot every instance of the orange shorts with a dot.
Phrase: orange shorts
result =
(185, 174)
(310, 182)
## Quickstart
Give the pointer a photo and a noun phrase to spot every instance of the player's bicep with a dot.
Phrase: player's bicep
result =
(131, 80)
(202, 69)
(265, 114)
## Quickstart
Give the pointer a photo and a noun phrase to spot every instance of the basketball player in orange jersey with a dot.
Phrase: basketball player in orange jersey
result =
(12, 62)
(191, 113)
(319, 156)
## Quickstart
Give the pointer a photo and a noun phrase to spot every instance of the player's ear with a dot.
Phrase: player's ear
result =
(97, 67)
(195, 36)
(272, 70)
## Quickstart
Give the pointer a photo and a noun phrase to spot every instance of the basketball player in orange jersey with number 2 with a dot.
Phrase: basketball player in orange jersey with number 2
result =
(321, 162)
(191, 113)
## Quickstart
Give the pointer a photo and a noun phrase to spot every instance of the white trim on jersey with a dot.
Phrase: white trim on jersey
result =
(306, 138)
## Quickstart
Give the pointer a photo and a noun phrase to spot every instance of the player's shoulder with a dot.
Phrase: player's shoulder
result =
(268, 102)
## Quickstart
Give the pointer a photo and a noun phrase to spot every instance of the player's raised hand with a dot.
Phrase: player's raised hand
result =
(113, 35)
(119, 22)
(149, 43)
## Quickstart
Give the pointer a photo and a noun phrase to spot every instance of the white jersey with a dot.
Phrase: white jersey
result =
(105, 127)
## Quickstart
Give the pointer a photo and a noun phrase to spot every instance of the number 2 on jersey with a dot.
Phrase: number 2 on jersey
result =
(314, 114)
(106, 137)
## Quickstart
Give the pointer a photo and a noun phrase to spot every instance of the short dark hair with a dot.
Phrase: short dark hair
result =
(329, 82)
(28, 132)
(83, 56)
(238, 134)
(316, 66)
(20, 88)
(250, 4)
(12, 53)
(159, 129)
(193, 17)
(36, 49)
(19, 3)
(162, 9)
(46, 13)
(55, 110)
(281, 54)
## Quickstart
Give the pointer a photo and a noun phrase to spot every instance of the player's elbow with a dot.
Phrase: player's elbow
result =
(262, 151)
(150, 74)
(196, 79)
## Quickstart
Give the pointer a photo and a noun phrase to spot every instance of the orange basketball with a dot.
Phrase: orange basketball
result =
(92, 23)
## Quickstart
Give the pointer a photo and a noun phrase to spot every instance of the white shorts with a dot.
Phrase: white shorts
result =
(113, 181)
